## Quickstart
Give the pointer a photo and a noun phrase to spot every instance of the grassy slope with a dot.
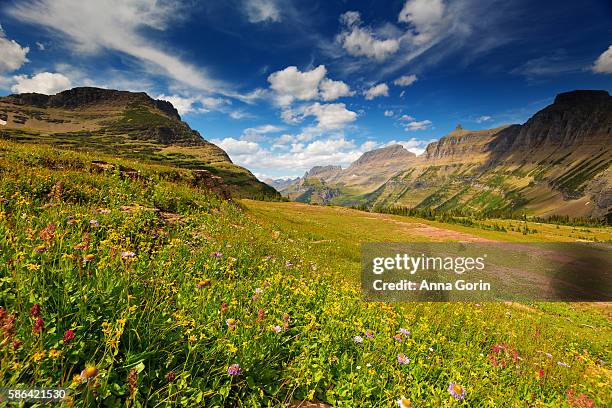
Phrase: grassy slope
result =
(146, 316)
(129, 134)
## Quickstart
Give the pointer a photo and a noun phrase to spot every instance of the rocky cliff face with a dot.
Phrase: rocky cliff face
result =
(578, 117)
(462, 145)
(558, 162)
(82, 97)
(323, 172)
(394, 153)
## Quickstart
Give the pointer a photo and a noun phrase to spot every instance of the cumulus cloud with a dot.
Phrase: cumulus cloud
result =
(483, 118)
(405, 80)
(47, 83)
(388, 113)
(603, 65)
(417, 125)
(12, 55)
(235, 147)
(259, 11)
(362, 41)
(332, 90)
(412, 145)
(330, 116)
(194, 104)
(92, 26)
(406, 117)
(376, 91)
(291, 84)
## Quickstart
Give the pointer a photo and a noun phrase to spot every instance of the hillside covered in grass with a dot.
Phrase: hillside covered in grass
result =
(151, 291)
(125, 124)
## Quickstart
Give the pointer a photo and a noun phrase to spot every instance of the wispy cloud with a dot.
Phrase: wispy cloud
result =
(92, 26)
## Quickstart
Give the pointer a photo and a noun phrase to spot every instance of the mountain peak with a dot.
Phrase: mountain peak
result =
(581, 96)
(394, 151)
(86, 96)
(323, 171)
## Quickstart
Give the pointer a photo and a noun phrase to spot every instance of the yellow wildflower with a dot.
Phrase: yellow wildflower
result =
(39, 355)
(54, 353)
(33, 267)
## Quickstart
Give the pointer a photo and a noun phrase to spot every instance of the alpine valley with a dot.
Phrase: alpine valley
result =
(557, 163)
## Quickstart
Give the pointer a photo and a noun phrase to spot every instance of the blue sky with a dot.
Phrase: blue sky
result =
(285, 85)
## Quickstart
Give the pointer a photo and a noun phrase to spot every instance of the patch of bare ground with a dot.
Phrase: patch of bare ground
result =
(308, 404)
(435, 233)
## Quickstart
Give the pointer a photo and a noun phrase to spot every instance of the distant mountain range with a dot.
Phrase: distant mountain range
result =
(558, 162)
(125, 124)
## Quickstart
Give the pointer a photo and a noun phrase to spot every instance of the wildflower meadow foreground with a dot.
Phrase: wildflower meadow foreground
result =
(146, 291)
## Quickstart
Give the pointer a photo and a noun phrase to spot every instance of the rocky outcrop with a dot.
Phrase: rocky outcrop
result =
(84, 96)
(575, 118)
(395, 153)
(324, 172)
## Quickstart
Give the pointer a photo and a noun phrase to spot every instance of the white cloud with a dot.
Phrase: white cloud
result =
(284, 139)
(376, 91)
(48, 83)
(259, 11)
(330, 116)
(406, 117)
(417, 125)
(424, 16)
(388, 113)
(290, 84)
(238, 148)
(297, 158)
(92, 26)
(405, 80)
(182, 105)
(197, 104)
(12, 55)
(361, 41)
(332, 90)
(41, 46)
(483, 118)
(257, 134)
(603, 65)
(238, 114)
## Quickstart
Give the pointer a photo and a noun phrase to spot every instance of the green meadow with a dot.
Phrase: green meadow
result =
(148, 291)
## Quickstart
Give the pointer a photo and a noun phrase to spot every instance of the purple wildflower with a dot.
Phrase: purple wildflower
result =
(234, 369)
(369, 334)
(127, 254)
(405, 332)
(402, 359)
(358, 339)
(94, 223)
(216, 254)
(277, 329)
(456, 390)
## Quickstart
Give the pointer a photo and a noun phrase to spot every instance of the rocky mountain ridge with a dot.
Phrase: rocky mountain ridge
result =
(558, 162)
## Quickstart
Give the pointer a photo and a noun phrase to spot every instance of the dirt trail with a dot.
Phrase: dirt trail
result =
(429, 231)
